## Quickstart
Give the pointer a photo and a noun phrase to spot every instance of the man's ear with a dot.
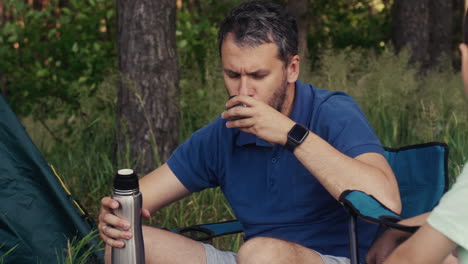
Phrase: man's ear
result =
(293, 69)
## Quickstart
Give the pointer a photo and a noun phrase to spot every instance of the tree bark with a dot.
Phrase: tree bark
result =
(410, 27)
(426, 27)
(2, 13)
(441, 13)
(148, 113)
(299, 9)
(3, 20)
(458, 11)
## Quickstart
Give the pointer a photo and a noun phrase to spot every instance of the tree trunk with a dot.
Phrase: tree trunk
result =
(2, 13)
(425, 26)
(3, 20)
(148, 112)
(410, 27)
(458, 11)
(299, 9)
(441, 13)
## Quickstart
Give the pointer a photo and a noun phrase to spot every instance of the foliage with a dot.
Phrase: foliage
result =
(348, 24)
(53, 57)
(79, 252)
(337, 24)
(197, 29)
(85, 156)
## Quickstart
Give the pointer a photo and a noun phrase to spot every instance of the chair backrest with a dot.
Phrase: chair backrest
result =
(421, 171)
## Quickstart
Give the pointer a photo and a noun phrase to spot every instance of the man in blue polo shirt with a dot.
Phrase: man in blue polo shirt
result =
(282, 153)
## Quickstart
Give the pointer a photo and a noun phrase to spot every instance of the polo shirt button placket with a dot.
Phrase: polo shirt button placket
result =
(274, 159)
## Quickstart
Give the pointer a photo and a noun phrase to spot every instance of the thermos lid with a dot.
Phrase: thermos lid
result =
(125, 179)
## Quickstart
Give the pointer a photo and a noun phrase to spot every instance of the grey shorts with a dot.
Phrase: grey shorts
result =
(216, 256)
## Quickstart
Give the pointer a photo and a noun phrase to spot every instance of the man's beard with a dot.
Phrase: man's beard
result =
(277, 100)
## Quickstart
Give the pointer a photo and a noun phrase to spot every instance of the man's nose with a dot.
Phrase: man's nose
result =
(244, 87)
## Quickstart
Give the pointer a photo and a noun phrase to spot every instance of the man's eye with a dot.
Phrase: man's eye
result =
(233, 75)
(258, 76)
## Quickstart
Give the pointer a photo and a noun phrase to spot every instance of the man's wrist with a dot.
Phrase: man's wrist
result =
(296, 135)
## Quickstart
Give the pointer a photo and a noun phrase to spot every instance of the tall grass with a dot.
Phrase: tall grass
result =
(78, 251)
(402, 106)
(8, 252)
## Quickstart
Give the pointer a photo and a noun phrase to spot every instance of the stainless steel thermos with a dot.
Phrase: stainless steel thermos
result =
(126, 191)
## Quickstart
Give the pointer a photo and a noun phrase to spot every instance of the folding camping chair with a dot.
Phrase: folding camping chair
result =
(421, 172)
(37, 212)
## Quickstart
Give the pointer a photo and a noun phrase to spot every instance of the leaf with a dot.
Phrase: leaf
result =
(66, 11)
(82, 79)
(75, 47)
(8, 28)
(42, 73)
(52, 32)
(13, 38)
(182, 43)
(96, 46)
(110, 14)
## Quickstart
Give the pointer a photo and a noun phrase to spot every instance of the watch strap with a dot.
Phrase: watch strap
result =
(290, 145)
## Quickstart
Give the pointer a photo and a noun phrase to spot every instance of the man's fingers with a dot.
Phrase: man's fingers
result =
(145, 213)
(237, 112)
(114, 233)
(241, 123)
(110, 203)
(112, 227)
(112, 242)
(113, 220)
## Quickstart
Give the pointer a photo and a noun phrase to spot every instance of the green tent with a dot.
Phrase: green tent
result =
(38, 215)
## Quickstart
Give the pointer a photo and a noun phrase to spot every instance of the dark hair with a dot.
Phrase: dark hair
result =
(254, 23)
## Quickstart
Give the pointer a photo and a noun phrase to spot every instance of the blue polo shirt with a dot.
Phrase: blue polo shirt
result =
(270, 191)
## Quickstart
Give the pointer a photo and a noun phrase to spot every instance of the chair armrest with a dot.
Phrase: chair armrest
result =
(367, 207)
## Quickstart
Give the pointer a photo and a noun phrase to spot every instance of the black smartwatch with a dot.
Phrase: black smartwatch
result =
(296, 136)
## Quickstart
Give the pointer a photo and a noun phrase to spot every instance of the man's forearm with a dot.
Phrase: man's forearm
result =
(337, 172)
(160, 188)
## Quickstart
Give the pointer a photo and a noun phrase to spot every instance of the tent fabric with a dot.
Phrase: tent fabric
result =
(37, 215)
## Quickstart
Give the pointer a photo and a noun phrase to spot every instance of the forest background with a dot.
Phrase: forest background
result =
(82, 77)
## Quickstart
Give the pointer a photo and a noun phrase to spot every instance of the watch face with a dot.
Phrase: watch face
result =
(298, 133)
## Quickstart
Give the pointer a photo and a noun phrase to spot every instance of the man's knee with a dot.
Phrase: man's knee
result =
(263, 250)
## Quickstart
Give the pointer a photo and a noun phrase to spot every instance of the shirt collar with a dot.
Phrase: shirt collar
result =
(301, 100)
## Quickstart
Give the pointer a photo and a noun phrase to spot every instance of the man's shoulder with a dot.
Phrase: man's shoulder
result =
(214, 131)
(321, 95)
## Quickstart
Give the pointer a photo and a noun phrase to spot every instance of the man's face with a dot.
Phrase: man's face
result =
(255, 72)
